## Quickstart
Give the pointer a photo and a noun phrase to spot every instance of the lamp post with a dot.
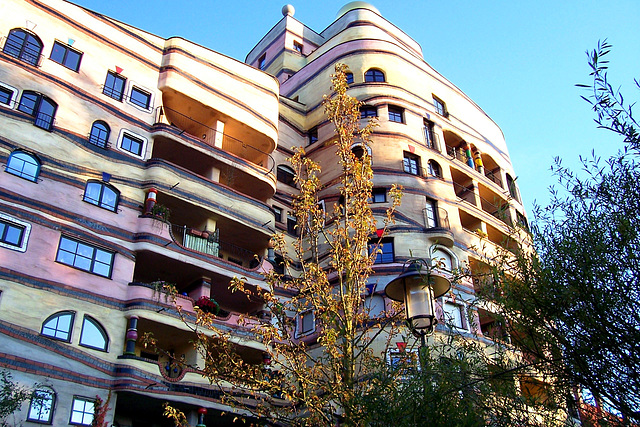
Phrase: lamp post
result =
(418, 286)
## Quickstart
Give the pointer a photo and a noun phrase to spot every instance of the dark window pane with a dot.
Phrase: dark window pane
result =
(140, 98)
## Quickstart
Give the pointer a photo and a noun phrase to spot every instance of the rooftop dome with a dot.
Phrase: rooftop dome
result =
(356, 5)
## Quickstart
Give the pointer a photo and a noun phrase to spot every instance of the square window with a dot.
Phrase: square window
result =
(14, 233)
(6, 96)
(66, 56)
(411, 163)
(114, 85)
(453, 315)
(383, 250)
(396, 114)
(85, 257)
(132, 144)
(82, 411)
(378, 195)
(297, 46)
(140, 98)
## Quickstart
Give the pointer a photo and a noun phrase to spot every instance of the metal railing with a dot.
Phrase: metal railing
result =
(494, 176)
(208, 243)
(431, 139)
(22, 50)
(414, 169)
(214, 138)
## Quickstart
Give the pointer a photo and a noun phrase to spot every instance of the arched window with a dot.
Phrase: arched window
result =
(358, 150)
(24, 165)
(93, 334)
(43, 402)
(513, 189)
(59, 326)
(374, 306)
(23, 45)
(40, 107)
(443, 259)
(434, 168)
(374, 75)
(102, 195)
(99, 134)
(286, 175)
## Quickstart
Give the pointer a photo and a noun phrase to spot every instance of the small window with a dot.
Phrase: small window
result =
(378, 195)
(358, 150)
(292, 222)
(59, 326)
(374, 306)
(349, 77)
(368, 111)
(85, 257)
(305, 323)
(23, 45)
(443, 259)
(286, 175)
(114, 85)
(440, 106)
(396, 114)
(102, 195)
(522, 221)
(277, 212)
(40, 107)
(99, 134)
(297, 46)
(384, 251)
(429, 137)
(431, 213)
(132, 144)
(7, 94)
(24, 165)
(453, 314)
(262, 62)
(41, 407)
(93, 334)
(140, 98)
(313, 135)
(82, 411)
(404, 361)
(374, 75)
(411, 163)
(434, 169)
(513, 189)
(65, 55)
(13, 233)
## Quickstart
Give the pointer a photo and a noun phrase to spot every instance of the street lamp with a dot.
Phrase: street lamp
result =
(418, 286)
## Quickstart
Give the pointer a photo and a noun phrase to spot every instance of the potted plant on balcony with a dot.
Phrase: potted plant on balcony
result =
(161, 287)
(208, 305)
(161, 212)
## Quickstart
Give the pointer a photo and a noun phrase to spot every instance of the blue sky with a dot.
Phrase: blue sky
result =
(518, 60)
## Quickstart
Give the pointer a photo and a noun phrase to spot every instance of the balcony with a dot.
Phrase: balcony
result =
(437, 226)
(492, 203)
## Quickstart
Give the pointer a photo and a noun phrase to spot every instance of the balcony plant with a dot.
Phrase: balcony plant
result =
(207, 305)
(161, 212)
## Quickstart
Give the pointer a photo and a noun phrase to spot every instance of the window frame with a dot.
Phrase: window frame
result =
(277, 213)
(38, 400)
(386, 248)
(440, 106)
(371, 306)
(300, 322)
(67, 48)
(24, 233)
(431, 206)
(349, 77)
(461, 311)
(286, 175)
(35, 110)
(374, 75)
(97, 140)
(11, 100)
(133, 137)
(142, 91)
(396, 114)
(434, 169)
(312, 136)
(366, 111)
(429, 134)
(84, 411)
(376, 193)
(21, 173)
(298, 47)
(110, 91)
(96, 250)
(101, 329)
(100, 201)
(22, 54)
(411, 163)
(56, 330)
(262, 62)
(292, 221)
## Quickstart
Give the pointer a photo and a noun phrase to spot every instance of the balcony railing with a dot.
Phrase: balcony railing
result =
(214, 138)
(22, 51)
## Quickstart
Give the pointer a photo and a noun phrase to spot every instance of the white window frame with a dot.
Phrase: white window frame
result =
(83, 412)
(454, 259)
(462, 307)
(12, 102)
(143, 150)
(300, 322)
(25, 233)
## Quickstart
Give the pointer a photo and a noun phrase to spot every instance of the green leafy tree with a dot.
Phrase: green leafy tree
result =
(12, 395)
(572, 306)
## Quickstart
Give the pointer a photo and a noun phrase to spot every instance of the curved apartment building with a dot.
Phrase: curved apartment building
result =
(132, 162)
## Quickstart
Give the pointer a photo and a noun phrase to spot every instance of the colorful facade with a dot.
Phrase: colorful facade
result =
(132, 162)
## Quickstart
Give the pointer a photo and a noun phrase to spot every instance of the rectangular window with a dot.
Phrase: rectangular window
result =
(313, 135)
(411, 163)
(140, 98)
(306, 323)
(378, 195)
(297, 46)
(11, 235)
(6, 96)
(429, 137)
(82, 411)
(430, 213)
(367, 111)
(453, 315)
(440, 106)
(65, 55)
(277, 212)
(396, 114)
(85, 257)
(291, 225)
(384, 251)
(132, 144)
(41, 407)
(262, 62)
(114, 85)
